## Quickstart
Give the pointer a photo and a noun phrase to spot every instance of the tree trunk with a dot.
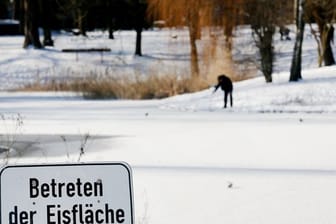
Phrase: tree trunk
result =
(264, 41)
(45, 12)
(267, 56)
(140, 13)
(110, 19)
(138, 41)
(328, 37)
(193, 33)
(19, 14)
(194, 57)
(31, 24)
(228, 33)
(295, 72)
(111, 32)
(47, 37)
(81, 21)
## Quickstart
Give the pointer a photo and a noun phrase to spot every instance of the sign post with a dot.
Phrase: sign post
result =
(67, 194)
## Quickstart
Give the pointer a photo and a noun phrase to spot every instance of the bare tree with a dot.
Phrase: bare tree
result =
(139, 7)
(295, 72)
(181, 12)
(81, 10)
(195, 15)
(323, 13)
(45, 9)
(110, 5)
(19, 14)
(31, 24)
(225, 14)
(78, 10)
(264, 16)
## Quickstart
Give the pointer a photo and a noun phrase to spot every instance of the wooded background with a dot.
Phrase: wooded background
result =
(264, 17)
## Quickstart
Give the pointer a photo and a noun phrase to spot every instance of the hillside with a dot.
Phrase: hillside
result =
(314, 94)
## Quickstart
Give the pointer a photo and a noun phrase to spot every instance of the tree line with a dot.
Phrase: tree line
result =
(77, 16)
(263, 16)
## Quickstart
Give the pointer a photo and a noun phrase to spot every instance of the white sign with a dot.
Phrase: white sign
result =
(67, 194)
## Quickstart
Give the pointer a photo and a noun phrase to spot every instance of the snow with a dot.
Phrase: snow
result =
(269, 159)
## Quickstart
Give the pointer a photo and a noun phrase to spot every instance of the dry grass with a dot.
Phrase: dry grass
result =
(124, 87)
(137, 87)
(49, 86)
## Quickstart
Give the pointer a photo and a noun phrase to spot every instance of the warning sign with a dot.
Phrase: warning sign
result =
(67, 194)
